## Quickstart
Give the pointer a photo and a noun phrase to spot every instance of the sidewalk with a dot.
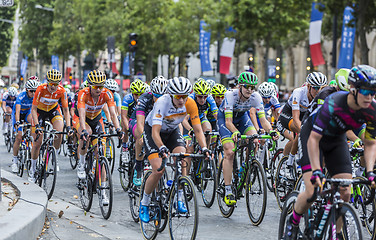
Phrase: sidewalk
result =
(26, 219)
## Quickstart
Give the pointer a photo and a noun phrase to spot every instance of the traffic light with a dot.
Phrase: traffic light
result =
(70, 76)
(21, 78)
(133, 42)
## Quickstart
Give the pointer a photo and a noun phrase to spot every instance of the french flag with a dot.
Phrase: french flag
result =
(227, 51)
(315, 35)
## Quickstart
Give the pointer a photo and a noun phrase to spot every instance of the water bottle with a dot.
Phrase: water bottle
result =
(241, 170)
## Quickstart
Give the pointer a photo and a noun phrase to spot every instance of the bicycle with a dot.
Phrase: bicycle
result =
(46, 164)
(24, 152)
(96, 165)
(72, 149)
(251, 179)
(9, 134)
(163, 205)
(110, 146)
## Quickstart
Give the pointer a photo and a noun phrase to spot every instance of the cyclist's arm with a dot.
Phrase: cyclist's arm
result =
(314, 150)
(34, 114)
(17, 113)
(124, 119)
(3, 105)
(230, 126)
(67, 116)
(186, 124)
(140, 122)
(275, 113)
(296, 120)
(199, 135)
(82, 119)
(114, 116)
(252, 115)
(370, 153)
(155, 133)
(351, 135)
(106, 112)
(265, 124)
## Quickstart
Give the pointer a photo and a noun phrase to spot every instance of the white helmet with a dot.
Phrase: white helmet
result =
(275, 87)
(211, 83)
(316, 79)
(159, 85)
(266, 89)
(111, 84)
(179, 86)
(12, 91)
(31, 84)
(147, 88)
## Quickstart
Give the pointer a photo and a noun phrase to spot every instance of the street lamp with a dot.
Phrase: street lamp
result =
(186, 64)
(44, 8)
(214, 66)
(250, 57)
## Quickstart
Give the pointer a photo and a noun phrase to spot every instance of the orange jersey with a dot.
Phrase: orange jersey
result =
(46, 101)
(85, 100)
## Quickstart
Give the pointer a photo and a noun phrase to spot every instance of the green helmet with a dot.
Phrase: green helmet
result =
(247, 78)
(341, 79)
(333, 83)
(201, 87)
(218, 89)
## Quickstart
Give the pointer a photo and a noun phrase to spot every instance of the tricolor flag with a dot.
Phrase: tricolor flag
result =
(315, 35)
(227, 51)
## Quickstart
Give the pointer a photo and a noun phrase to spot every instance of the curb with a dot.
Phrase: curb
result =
(26, 219)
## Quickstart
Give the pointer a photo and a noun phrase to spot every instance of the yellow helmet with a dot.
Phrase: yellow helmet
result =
(138, 86)
(96, 77)
(15, 85)
(53, 75)
(201, 87)
(218, 89)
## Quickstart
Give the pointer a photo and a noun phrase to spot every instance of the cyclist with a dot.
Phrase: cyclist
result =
(211, 82)
(45, 107)
(323, 133)
(270, 100)
(144, 106)
(233, 120)
(128, 105)
(9, 99)
(294, 110)
(21, 112)
(112, 85)
(162, 135)
(218, 92)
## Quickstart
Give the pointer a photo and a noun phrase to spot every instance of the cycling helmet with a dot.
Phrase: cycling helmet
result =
(247, 78)
(112, 85)
(53, 75)
(341, 79)
(276, 91)
(68, 86)
(138, 86)
(218, 89)
(12, 91)
(96, 77)
(316, 79)
(31, 84)
(84, 84)
(34, 78)
(363, 76)
(333, 83)
(159, 85)
(201, 87)
(15, 85)
(266, 89)
(211, 83)
(147, 88)
(179, 86)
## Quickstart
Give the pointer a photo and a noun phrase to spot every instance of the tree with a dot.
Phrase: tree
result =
(6, 33)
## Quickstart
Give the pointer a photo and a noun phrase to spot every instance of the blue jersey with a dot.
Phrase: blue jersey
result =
(209, 105)
(117, 100)
(24, 101)
(129, 103)
(9, 102)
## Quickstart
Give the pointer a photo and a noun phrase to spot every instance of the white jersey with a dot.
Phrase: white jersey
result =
(299, 100)
(233, 106)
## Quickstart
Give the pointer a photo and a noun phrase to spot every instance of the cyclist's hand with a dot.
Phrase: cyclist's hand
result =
(38, 129)
(84, 134)
(206, 152)
(372, 178)
(357, 143)
(274, 134)
(111, 126)
(17, 124)
(190, 132)
(317, 177)
(120, 133)
(235, 136)
(70, 131)
(260, 131)
(163, 152)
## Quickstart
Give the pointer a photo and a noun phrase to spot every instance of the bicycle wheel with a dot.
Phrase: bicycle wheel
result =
(208, 184)
(225, 210)
(350, 227)
(272, 168)
(256, 193)
(110, 153)
(73, 152)
(107, 188)
(49, 172)
(124, 170)
(64, 143)
(284, 181)
(8, 141)
(21, 160)
(163, 196)
(85, 188)
(150, 230)
(134, 201)
(183, 225)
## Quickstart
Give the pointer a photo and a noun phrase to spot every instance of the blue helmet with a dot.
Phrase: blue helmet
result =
(363, 76)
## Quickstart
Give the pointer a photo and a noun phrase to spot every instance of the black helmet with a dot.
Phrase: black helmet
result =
(363, 76)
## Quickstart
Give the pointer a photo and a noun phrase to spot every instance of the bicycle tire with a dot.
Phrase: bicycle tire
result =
(272, 168)
(209, 184)
(73, 155)
(150, 230)
(124, 170)
(163, 196)
(225, 210)
(21, 160)
(86, 187)
(179, 221)
(284, 182)
(8, 141)
(134, 201)
(106, 210)
(49, 168)
(256, 175)
(111, 154)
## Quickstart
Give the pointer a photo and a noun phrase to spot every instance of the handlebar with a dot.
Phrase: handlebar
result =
(101, 135)
(253, 137)
(180, 155)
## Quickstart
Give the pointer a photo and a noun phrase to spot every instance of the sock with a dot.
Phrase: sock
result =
(180, 194)
(145, 199)
(295, 217)
(228, 189)
(33, 165)
(82, 160)
(15, 159)
(290, 161)
(125, 145)
(139, 165)
(262, 155)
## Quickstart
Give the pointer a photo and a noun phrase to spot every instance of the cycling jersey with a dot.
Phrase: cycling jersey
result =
(85, 100)
(129, 103)
(24, 101)
(232, 106)
(144, 105)
(9, 102)
(209, 105)
(319, 100)
(164, 113)
(273, 104)
(46, 101)
(298, 99)
(117, 100)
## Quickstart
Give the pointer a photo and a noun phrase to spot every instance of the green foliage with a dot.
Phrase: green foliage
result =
(6, 33)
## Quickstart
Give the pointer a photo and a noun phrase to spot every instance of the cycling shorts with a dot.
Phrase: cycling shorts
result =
(285, 119)
(242, 123)
(52, 115)
(96, 125)
(23, 117)
(132, 125)
(171, 140)
(334, 151)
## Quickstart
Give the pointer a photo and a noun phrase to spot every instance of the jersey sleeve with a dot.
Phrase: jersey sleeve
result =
(117, 99)
(228, 104)
(81, 99)
(295, 97)
(110, 99)
(275, 102)
(19, 99)
(158, 113)
(64, 98)
(37, 95)
(141, 105)
(323, 117)
(213, 106)
(192, 110)
(258, 105)
(127, 100)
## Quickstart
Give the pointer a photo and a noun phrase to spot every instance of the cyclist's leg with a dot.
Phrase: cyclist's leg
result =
(58, 124)
(139, 156)
(35, 150)
(81, 164)
(206, 126)
(16, 145)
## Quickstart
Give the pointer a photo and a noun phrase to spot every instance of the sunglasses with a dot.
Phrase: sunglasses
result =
(367, 92)
(97, 87)
(316, 87)
(32, 91)
(53, 84)
(157, 95)
(202, 96)
(267, 97)
(137, 94)
(180, 96)
(220, 96)
(247, 86)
